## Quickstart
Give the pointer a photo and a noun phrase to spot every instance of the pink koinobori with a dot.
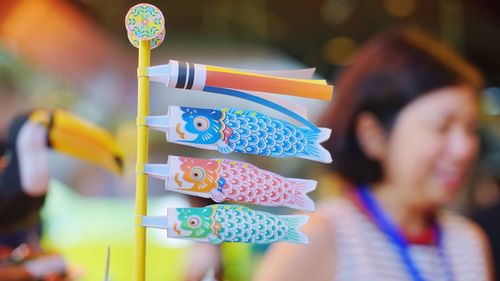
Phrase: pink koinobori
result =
(222, 179)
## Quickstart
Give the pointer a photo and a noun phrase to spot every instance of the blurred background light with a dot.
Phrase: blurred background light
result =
(400, 8)
(337, 11)
(339, 50)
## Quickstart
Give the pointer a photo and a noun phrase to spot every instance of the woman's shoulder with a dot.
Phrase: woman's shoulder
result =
(339, 212)
(460, 226)
(467, 243)
(339, 205)
(462, 231)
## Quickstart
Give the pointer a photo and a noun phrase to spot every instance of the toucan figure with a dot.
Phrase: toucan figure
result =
(25, 167)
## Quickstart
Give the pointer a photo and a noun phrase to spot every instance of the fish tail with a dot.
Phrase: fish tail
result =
(300, 200)
(315, 151)
(294, 235)
(324, 134)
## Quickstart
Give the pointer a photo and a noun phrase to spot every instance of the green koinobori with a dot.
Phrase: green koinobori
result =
(229, 223)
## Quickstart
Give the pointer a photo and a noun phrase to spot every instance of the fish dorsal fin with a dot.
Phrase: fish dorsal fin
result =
(230, 207)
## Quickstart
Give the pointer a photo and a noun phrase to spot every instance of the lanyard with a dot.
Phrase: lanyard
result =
(398, 239)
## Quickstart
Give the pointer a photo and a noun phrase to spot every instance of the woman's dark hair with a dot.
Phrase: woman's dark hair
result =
(393, 69)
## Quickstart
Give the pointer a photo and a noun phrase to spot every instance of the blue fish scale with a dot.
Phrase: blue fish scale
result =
(259, 134)
(249, 226)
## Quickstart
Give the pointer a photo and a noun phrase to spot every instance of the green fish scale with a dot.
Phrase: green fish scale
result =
(249, 226)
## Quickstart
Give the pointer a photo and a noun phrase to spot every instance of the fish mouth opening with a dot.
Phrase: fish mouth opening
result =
(179, 131)
(177, 229)
(181, 184)
(177, 180)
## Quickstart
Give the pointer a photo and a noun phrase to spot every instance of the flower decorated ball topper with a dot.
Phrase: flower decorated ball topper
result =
(144, 22)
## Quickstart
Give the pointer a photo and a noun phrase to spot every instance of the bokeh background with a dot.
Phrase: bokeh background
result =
(76, 55)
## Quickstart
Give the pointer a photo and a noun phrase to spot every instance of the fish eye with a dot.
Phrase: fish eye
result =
(201, 123)
(194, 221)
(197, 173)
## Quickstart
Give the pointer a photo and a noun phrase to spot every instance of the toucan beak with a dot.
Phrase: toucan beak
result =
(72, 135)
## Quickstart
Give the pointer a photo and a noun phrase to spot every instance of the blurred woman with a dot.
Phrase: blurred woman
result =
(404, 122)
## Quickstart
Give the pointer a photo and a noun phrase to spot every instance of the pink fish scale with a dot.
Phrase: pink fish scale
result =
(243, 189)
(253, 171)
(260, 181)
(242, 169)
(226, 189)
(232, 192)
(253, 179)
(252, 184)
(245, 178)
(267, 176)
(276, 181)
(268, 188)
(258, 192)
(286, 197)
(235, 181)
(251, 194)
(226, 175)
(265, 198)
(234, 172)
(242, 198)
(247, 183)
(287, 185)
(276, 197)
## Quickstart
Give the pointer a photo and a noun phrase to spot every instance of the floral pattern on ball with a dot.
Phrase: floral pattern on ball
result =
(144, 22)
(155, 42)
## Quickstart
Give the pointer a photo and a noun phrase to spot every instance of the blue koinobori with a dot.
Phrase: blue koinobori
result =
(231, 130)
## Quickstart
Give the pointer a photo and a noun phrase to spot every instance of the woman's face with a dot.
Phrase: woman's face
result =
(432, 145)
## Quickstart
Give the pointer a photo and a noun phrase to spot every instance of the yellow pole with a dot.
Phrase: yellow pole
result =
(142, 158)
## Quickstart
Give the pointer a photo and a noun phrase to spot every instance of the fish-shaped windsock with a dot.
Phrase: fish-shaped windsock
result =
(222, 179)
(229, 223)
(231, 130)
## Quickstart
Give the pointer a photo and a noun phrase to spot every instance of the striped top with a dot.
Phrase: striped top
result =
(364, 252)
